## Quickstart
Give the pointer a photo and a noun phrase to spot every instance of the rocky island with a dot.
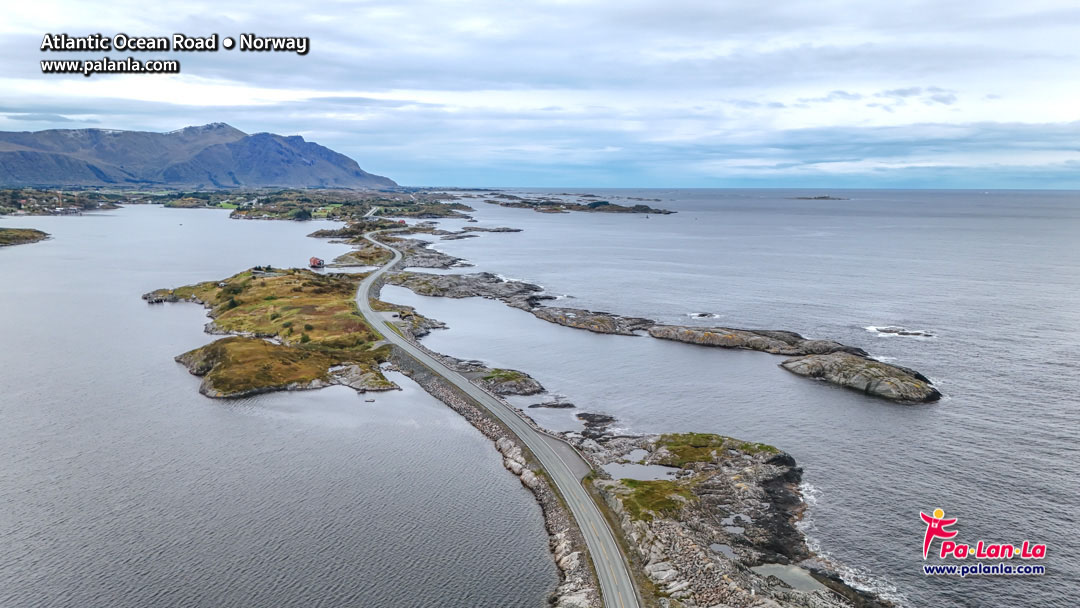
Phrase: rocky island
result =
(840, 364)
(291, 330)
(586, 203)
(720, 529)
(20, 236)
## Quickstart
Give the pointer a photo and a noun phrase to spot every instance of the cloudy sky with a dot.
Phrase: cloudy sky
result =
(713, 93)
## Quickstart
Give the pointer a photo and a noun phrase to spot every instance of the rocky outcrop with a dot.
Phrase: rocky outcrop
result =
(596, 425)
(481, 284)
(496, 229)
(467, 232)
(557, 404)
(359, 379)
(769, 341)
(411, 322)
(418, 254)
(509, 382)
(559, 204)
(364, 253)
(245, 366)
(518, 294)
(847, 366)
(496, 380)
(599, 322)
(866, 375)
(731, 506)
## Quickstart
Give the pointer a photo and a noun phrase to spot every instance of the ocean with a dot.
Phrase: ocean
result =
(992, 276)
(123, 486)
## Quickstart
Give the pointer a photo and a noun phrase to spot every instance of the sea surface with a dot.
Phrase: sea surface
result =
(993, 276)
(121, 486)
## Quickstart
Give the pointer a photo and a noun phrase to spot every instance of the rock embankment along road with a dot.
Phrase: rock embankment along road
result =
(616, 583)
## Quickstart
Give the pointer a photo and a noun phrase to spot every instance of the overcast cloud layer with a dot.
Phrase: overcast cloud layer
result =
(831, 93)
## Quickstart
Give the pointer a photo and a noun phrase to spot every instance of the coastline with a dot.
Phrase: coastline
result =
(9, 237)
(578, 586)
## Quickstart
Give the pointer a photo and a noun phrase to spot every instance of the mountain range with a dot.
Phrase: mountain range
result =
(209, 156)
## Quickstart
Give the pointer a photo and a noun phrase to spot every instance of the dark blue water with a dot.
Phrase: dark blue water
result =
(994, 276)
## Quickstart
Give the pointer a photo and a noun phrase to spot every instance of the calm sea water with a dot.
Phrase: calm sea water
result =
(994, 276)
(121, 486)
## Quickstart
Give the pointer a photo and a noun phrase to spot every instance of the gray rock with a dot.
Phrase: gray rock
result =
(769, 341)
(598, 322)
(866, 375)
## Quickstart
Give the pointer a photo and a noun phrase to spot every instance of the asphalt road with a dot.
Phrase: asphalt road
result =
(616, 585)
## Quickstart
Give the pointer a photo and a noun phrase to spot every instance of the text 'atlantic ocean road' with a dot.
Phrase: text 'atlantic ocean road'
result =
(176, 43)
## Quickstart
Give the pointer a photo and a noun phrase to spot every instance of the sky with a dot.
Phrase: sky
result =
(715, 93)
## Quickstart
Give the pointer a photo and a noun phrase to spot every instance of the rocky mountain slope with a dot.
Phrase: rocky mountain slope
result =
(209, 156)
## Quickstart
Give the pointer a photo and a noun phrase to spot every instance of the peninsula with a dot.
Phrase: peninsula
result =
(20, 236)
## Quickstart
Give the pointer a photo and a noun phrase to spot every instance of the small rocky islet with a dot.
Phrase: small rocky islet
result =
(847, 366)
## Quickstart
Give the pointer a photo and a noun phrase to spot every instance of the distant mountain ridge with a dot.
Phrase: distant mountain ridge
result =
(208, 156)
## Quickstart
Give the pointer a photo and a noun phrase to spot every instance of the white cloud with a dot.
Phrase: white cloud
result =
(423, 88)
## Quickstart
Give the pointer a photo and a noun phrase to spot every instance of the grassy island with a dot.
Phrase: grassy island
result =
(292, 329)
(20, 236)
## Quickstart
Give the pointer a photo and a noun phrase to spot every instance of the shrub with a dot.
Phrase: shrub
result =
(309, 326)
(304, 338)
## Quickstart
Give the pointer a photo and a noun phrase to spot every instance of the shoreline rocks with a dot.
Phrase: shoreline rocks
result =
(225, 369)
(554, 405)
(776, 342)
(518, 294)
(509, 382)
(847, 366)
(417, 254)
(597, 322)
(497, 380)
(731, 506)
(596, 425)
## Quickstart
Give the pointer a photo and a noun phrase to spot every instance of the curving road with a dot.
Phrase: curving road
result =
(616, 585)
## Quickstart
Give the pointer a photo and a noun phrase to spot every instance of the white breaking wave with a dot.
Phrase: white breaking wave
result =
(859, 578)
(810, 493)
(883, 358)
(888, 331)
